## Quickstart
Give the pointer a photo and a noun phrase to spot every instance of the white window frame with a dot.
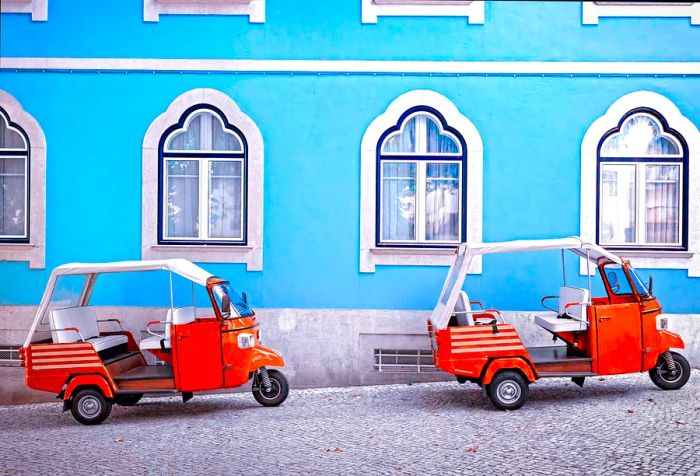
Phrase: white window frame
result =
(690, 259)
(204, 181)
(592, 11)
(251, 253)
(39, 9)
(372, 255)
(472, 10)
(34, 251)
(253, 9)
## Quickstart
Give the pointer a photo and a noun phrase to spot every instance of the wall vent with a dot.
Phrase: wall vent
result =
(9, 356)
(404, 360)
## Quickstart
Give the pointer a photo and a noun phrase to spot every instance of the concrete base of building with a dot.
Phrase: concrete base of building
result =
(321, 347)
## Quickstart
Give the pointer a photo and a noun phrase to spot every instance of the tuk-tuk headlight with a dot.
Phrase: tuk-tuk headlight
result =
(246, 341)
(661, 322)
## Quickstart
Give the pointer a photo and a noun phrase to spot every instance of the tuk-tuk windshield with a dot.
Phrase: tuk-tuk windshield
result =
(227, 298)
(638, 283)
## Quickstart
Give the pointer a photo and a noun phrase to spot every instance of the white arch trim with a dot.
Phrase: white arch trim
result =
(33, 252)
(251, 253)
(370, 254)
(689, 260)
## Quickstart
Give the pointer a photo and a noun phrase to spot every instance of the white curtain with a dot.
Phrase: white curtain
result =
(398, 201)
(183, 198)
(440, 143)
(12, 196)
(662, 200)
(618, 203)
(442, 202)
(225, 185)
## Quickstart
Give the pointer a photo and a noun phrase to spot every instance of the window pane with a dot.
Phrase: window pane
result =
(403, 141)
(398, 201)
(442, 202)
(183, 198)
(10, 138)
(437, 142)
(224, 140)
(641, 135)
(190, 138)
(618, 203)
(662, 203)
(617, 279)
(12, 196)
(225, 187)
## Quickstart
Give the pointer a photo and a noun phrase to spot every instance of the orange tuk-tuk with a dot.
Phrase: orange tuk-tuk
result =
(67, 353)
(621, 332)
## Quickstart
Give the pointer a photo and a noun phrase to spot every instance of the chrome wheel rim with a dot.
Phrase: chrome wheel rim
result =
(508, 391)
(665, 374)
(89, 406)
(275, 390)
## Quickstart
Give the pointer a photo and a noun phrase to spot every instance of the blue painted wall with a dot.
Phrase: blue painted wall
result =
(532, 128)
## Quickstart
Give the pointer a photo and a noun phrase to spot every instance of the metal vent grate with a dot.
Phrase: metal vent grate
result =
(9, 355)
(404, 360)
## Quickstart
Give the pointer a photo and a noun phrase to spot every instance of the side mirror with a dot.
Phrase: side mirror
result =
(245, 298)
(650, 286)
(612, 280)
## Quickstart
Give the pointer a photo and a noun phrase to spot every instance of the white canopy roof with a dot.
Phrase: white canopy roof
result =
(184, 268)
(458, 271)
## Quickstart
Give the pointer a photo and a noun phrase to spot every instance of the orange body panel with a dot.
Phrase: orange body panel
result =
(94, 380)
(529, 371)
(619, 338)
(197, 363)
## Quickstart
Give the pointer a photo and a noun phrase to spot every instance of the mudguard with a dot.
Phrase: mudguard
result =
(508, 363)
(262, 356)
(670, 340)
(93, 380)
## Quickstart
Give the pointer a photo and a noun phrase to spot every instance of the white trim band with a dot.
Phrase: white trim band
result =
(357, 66)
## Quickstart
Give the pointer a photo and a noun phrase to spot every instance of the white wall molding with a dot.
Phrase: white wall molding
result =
(370, 254)
(472, 10)
(593, 11)
(356, 66)
(34, 251)
(589, 168)
(253, 9)
(39, 9)
(252, 253)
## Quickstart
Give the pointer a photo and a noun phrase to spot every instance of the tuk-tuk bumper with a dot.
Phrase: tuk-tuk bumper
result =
(669, 340)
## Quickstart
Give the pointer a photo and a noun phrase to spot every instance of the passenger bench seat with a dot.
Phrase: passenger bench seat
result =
(85, 319)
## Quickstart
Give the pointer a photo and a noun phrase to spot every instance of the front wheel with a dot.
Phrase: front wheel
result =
(279, 389)
(90, 407)
(508, 390)
(665, 378)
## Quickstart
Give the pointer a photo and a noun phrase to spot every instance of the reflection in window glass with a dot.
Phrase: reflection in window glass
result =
(398, 201)
(442, 200)
(617, 279)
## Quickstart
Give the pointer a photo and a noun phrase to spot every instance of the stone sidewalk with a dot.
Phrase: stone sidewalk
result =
(615, 425)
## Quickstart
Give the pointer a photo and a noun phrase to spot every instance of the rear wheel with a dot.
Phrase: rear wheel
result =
(279, 389)
(665, 378)
(90, 407)
(508, 390)
(128, 400)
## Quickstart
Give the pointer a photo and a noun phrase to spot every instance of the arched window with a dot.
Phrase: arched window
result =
(202, 180)
(421, 164)
(14, 182)
(642, 184)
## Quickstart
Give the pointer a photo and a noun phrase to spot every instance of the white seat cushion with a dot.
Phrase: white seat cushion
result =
(183, 315)
(570, 294)
(463, 310)
(560, 324)
(83, 318)
(153, 342)
(106, 342)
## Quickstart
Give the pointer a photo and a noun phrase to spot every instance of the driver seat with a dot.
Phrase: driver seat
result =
(154, 342)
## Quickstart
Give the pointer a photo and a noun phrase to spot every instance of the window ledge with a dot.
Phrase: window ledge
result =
(33, 253)
(250, 255)
(388, 250)
(654, 254)
(373, 256)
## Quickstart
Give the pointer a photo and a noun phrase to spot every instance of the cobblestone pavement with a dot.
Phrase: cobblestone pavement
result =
(616, 425)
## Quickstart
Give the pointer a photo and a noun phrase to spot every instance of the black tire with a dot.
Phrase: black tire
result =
(90, 407)
(662, 377)
(461, 379)
(508, 390)
(128, 399)
(278, 391)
